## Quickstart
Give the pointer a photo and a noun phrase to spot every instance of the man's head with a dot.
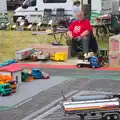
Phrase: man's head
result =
(76, 3)
(80, 15)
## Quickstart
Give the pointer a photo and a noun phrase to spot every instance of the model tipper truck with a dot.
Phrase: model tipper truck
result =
(59, 56)
(6, 79)
(93, 107)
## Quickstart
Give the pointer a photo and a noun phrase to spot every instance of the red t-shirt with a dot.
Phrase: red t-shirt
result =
(78, 27)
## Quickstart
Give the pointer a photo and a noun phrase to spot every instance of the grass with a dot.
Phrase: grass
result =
(11, 41)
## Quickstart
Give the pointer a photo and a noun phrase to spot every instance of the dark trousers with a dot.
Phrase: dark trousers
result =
(79, 45)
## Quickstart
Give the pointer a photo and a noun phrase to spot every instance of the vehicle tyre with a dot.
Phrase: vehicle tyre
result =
(1, 94)
(115, 117)
(93, 66)
(82, 117)
(78, 65)
(108, 117)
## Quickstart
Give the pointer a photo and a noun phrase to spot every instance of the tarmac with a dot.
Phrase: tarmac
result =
(28, 89)
(44, 100)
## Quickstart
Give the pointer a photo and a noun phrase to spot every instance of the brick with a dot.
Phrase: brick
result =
(114, 43)
(114, 59)
(51, 48)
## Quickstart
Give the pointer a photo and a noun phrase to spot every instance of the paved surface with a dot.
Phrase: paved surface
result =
(82, 80)
(56, 112)
(26, 90)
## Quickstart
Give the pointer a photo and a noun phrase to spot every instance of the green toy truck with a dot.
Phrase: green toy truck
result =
(5, 89)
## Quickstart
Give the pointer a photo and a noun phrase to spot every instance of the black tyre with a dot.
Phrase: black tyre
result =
(1, 94)
(115, 117)
(82, 117)
(79, 65)
(108, 117)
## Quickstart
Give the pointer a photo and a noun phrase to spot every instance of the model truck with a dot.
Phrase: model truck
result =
(35, 73)
(5, 89)
(59, 56)
(38, 74)
(90, 62)
(39, 55)
(24, 54)
(9, 80)
(93, 107)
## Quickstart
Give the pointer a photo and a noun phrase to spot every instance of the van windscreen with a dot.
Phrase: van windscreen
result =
(54, 1)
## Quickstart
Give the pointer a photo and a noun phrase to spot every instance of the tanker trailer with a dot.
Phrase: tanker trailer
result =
(105, 108)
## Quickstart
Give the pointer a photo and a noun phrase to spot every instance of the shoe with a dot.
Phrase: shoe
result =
(91, 54)
(86, 56)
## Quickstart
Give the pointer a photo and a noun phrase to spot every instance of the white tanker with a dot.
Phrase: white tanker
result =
(93, 107)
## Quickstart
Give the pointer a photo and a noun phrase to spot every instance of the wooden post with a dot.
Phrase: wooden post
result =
(81, 4)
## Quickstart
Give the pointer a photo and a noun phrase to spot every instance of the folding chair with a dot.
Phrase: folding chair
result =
(60, 14)
(47, 16)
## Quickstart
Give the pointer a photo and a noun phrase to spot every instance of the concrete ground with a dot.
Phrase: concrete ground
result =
(28, 89)
(56, 112)
(42, 103)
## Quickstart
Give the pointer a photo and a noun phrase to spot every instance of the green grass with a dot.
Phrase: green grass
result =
(11, 41)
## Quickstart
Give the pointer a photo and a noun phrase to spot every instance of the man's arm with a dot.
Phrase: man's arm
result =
(69, 34)
(70, 29)
(85, 33)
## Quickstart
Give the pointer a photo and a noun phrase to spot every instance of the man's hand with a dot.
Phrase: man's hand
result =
(69, 34)
(79, 38)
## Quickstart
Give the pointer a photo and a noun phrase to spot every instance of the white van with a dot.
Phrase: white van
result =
(3, 6)
(33, 9)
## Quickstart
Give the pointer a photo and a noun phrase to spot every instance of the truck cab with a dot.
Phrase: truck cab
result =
(5, 89)
(37, 74)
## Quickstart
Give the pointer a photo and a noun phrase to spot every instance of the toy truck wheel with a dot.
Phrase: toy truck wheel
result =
(1, 94)
(93, 66)
(82, 117)
(79, 65)
(115, 117)
(108, 117)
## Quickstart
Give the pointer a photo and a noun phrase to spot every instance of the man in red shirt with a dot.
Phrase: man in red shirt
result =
(79, 31)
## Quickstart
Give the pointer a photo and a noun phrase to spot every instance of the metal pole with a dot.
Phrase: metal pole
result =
(82, 4)
(119, 9)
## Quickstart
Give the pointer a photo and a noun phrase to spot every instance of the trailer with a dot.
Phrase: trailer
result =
(92, 107)
(24, 54)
